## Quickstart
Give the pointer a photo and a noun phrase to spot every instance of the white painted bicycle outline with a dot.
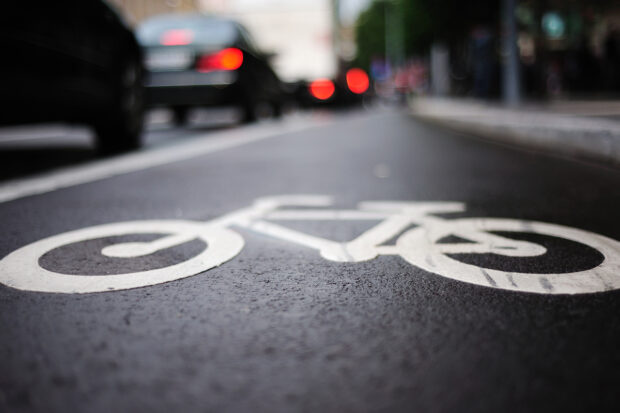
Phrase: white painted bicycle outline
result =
(418, 246)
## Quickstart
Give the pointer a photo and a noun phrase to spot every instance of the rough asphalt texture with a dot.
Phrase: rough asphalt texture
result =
(278, 328)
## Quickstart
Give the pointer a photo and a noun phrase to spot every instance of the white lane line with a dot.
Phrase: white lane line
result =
(11, 134)
(98, 170)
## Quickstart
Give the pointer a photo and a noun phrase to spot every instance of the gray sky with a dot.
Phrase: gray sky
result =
(349, 9)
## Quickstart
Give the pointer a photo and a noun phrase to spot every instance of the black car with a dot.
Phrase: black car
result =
(200, 60)
(72, 61)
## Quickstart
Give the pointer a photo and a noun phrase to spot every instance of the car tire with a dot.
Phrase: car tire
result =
(121, 129)
(248, 112)
(276, 109)
(180, 115)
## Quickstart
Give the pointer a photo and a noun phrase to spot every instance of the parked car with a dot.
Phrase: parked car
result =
(199, 60)
(72, 61)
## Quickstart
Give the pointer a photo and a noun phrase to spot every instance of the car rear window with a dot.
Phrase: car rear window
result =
(202, 30)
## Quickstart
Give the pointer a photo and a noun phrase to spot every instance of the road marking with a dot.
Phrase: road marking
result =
(420, 246)
(21, 268)
(13, 134)
(98, 170)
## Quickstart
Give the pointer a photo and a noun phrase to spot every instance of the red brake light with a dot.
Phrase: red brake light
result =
(357, 81)
(177, 37)
(231, 59)
(322, 89)
(227, 59)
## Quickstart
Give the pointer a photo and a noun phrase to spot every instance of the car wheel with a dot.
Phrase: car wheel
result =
(180, 115)
(121, 128)
(276, 108)
(248, 111)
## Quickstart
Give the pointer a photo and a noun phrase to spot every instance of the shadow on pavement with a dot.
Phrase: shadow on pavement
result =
(20, 162)
(27, 150)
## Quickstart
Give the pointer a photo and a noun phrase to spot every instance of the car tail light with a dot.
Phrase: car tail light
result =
(357, 81)
(176, 37)
(227, 59)
(322, 89)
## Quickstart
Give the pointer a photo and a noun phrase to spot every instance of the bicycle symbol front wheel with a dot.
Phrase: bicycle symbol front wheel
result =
(420, 247)
(22, 270)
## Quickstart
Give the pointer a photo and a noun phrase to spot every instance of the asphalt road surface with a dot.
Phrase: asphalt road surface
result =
(280, 326)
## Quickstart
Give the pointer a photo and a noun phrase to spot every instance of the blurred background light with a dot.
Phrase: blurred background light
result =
(357, 80)
(553, 25)
(177, 37)
(322, 89)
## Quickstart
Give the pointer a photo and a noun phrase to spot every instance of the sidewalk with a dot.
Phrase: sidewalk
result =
(587, 130)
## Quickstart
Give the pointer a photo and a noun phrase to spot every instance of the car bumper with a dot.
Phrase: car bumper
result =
(192, 88)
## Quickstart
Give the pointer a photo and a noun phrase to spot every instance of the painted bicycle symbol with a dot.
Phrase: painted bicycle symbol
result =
(415, 224)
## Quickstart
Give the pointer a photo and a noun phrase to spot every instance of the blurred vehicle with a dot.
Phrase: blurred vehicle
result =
(73, 61)
(198, 60)
(304, 35)
(348, 88)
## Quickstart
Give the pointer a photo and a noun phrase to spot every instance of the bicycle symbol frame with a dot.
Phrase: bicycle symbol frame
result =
(419, 246)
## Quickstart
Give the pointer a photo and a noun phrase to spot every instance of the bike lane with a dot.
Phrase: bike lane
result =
(280, 328)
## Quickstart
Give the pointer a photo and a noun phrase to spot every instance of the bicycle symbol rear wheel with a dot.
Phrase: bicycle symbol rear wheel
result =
(420, 247)
(21, 268)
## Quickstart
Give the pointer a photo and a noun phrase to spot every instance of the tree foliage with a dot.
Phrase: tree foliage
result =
(370, 34)
(422, 22)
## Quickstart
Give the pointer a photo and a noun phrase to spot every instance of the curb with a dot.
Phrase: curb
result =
(585, 139)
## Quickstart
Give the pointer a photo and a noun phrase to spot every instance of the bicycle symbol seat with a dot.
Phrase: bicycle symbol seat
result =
(419, 246)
